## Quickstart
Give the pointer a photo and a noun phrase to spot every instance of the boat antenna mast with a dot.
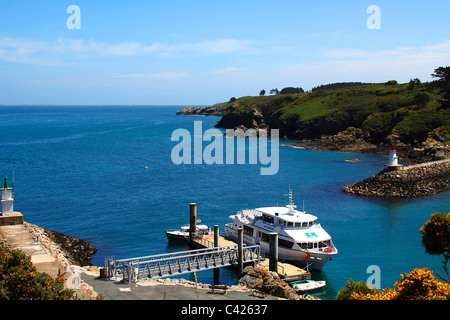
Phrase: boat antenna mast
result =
(291, 204)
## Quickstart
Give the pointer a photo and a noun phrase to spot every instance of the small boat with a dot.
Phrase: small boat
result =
(183, 232)
(307, 285)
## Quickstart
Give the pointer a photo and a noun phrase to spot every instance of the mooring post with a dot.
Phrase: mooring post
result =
(192, 220)
(240, 251)
(273, 252)
(216, 235)
(216, 244)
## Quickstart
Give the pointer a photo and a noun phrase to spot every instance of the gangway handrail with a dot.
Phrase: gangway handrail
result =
(180, 253)
(163, 265)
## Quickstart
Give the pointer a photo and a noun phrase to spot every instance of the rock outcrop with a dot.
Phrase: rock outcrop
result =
(201, 111)
(267, 282)
(349, 140)
(412, 181)
(249, 119)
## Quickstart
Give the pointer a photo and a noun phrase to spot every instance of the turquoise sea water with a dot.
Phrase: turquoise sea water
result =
(81, 171)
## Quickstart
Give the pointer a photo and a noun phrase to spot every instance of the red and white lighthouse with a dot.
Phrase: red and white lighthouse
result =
(393, 158)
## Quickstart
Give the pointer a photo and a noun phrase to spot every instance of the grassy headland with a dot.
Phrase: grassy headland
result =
(413, 116)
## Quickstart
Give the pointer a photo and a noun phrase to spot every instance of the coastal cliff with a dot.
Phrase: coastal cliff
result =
(412, 181)
(415, 117)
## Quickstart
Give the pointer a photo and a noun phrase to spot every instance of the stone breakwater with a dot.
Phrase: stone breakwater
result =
(412, 181)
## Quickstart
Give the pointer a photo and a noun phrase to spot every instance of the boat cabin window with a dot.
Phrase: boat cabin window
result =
(314, 245)
(285, 243)
(324, 244)
(248, 230)
(264, 236)
(267, 218)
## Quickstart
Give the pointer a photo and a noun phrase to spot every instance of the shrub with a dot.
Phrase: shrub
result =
(391, 82)
(353, 288)
(20, 280)
(419, 284)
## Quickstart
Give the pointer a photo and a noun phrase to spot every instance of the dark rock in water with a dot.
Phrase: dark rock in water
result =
(79, 251)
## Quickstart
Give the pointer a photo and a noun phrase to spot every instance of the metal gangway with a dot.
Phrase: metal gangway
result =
(176, 263)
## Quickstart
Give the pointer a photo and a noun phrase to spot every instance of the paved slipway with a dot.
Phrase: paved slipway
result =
(18, 237)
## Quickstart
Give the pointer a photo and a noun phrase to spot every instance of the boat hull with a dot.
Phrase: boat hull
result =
(175, 235)
(308, 285)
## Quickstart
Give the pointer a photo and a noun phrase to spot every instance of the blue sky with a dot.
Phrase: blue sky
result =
(203, 52)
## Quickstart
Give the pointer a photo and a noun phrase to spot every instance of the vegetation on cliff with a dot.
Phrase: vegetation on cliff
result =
(407, 111)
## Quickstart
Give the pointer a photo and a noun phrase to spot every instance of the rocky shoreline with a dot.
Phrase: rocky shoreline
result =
(413, 181)
(435, 147)
(201, 111)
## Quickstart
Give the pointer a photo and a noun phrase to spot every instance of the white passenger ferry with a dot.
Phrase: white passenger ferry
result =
(301, 240)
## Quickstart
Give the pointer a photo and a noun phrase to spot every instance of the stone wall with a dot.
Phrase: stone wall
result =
(15, 218)
(75, 251)
(412, 181)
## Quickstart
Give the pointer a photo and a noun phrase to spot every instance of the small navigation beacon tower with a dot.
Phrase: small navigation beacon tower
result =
(393, 159)
(7, 199)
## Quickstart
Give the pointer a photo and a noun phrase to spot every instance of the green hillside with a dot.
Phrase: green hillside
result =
(411, 110)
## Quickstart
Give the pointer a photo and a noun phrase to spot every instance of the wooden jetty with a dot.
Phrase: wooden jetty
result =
(285, 270)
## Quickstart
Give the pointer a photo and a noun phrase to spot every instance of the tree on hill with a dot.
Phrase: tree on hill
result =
(443, 75)
(413, 83)
(338, 85)
(288, 90)
(262, 92)
(436, 238)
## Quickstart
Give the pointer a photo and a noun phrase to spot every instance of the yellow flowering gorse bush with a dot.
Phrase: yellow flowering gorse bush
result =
(419, 284)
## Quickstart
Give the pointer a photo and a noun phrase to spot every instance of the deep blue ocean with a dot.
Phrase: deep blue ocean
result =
(82, 171)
